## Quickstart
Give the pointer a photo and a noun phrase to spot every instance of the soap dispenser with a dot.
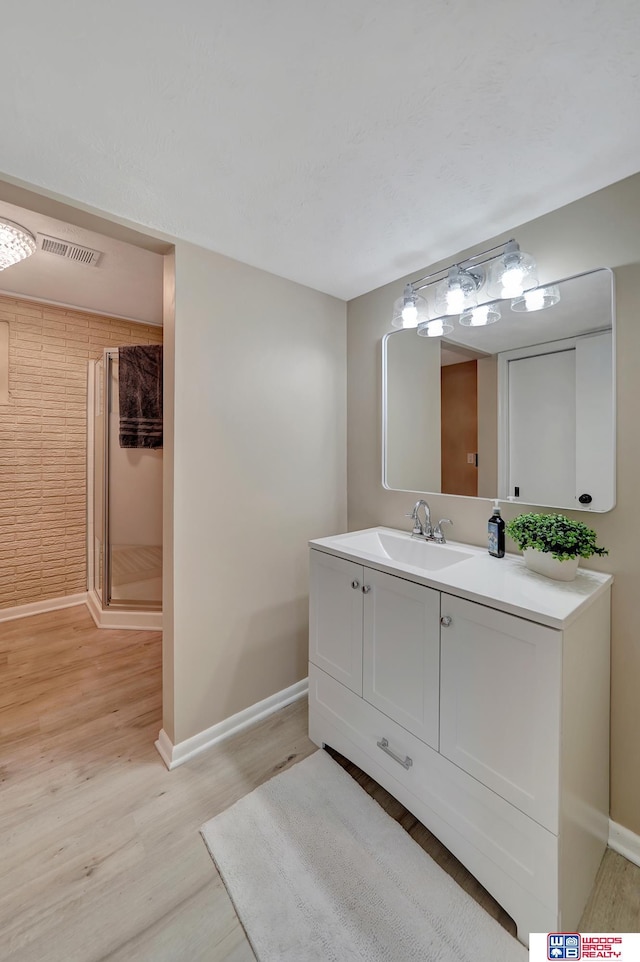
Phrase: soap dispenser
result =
(495, 541)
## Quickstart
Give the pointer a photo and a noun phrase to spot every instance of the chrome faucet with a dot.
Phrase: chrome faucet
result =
(424, 529)
(421, 529)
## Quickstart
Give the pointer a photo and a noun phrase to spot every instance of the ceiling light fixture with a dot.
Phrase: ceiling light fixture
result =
(468, 290)
(16, 243)
(536, 300)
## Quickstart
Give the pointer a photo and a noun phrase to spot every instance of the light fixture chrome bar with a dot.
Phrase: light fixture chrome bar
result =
(460, 264)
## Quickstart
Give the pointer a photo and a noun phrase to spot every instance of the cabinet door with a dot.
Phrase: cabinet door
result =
(401, 652)
(500, 704)
(335, 618)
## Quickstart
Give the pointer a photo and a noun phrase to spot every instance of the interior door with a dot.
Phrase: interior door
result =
(459, 416)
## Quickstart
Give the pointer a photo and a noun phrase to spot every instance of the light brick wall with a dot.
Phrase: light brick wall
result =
(43, 430)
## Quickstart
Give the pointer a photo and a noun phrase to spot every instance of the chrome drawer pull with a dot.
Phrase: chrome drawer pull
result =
(406, 762)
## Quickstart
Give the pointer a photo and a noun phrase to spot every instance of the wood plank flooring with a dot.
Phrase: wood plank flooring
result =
(100, 853)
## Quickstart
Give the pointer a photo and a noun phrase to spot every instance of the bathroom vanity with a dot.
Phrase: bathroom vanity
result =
(477, 693)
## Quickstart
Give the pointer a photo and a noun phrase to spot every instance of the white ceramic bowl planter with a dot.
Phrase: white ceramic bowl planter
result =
(545, 564)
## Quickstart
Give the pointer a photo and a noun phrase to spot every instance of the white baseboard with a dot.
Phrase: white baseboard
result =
(174, 755)
(625, 842)
(117, 618)
(38, 607)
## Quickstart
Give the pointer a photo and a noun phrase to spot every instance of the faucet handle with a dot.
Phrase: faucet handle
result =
(438, 533)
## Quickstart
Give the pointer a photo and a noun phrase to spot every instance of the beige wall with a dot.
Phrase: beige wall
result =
(258, 469)
(602, 230)
(43, 442)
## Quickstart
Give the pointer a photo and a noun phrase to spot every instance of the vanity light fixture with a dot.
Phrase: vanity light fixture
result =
(512, 274)
(536, 300)
(16, 243)
(459, 290)
(437, 328)
(467, 289)
(481, 316)
(410, 309)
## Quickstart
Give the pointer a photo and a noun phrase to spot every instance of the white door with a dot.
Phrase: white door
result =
(335, 618)
(542, 429)
(402, 652)
(500, 704)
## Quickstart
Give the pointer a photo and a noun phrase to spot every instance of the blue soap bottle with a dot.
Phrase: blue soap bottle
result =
(495, 527)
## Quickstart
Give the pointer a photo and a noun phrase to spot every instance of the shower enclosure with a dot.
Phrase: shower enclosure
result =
(124, 512)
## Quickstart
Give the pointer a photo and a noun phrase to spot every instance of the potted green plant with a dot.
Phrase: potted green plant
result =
(552, 544)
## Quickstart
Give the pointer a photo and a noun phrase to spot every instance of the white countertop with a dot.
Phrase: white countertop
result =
(502, 583)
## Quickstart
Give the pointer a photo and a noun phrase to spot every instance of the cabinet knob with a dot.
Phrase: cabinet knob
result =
(445, 621)
(355, 584)
(366, 589)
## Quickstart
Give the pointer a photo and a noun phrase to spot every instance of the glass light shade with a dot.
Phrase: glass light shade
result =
(436, 328)
(457, 292)
(16, 243)
(512, 274)
(536, 300)
(481, 316)
(410, 309)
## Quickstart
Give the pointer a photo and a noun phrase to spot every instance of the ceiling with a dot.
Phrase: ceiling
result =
(126, 281)
(341, 145)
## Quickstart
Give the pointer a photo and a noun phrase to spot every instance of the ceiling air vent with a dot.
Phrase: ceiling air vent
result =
(73, 252)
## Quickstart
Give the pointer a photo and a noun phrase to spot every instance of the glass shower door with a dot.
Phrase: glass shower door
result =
(132, 576)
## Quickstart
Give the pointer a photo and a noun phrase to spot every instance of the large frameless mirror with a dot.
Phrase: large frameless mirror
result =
(522, 409)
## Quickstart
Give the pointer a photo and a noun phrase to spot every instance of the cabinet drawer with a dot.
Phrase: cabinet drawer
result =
(480, 819)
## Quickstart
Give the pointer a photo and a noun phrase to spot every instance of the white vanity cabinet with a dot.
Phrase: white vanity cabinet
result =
(486, 717)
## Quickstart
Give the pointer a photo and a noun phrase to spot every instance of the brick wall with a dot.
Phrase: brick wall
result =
(43, 502)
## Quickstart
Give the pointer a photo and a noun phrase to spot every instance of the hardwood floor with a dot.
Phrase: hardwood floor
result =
(101, 858)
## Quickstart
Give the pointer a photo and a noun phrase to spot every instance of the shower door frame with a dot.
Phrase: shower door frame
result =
(109, 603)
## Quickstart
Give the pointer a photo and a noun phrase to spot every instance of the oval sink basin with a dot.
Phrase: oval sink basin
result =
(405, 549)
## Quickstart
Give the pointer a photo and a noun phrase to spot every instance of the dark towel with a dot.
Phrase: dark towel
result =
(140, 378)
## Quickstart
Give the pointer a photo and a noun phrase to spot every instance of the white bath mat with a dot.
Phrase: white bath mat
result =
(318, 872)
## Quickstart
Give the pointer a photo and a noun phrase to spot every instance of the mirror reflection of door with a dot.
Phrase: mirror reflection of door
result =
(558, 409)
(459, 414)
(542, 428)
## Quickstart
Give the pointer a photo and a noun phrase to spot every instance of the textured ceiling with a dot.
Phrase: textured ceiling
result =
(341, 144)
